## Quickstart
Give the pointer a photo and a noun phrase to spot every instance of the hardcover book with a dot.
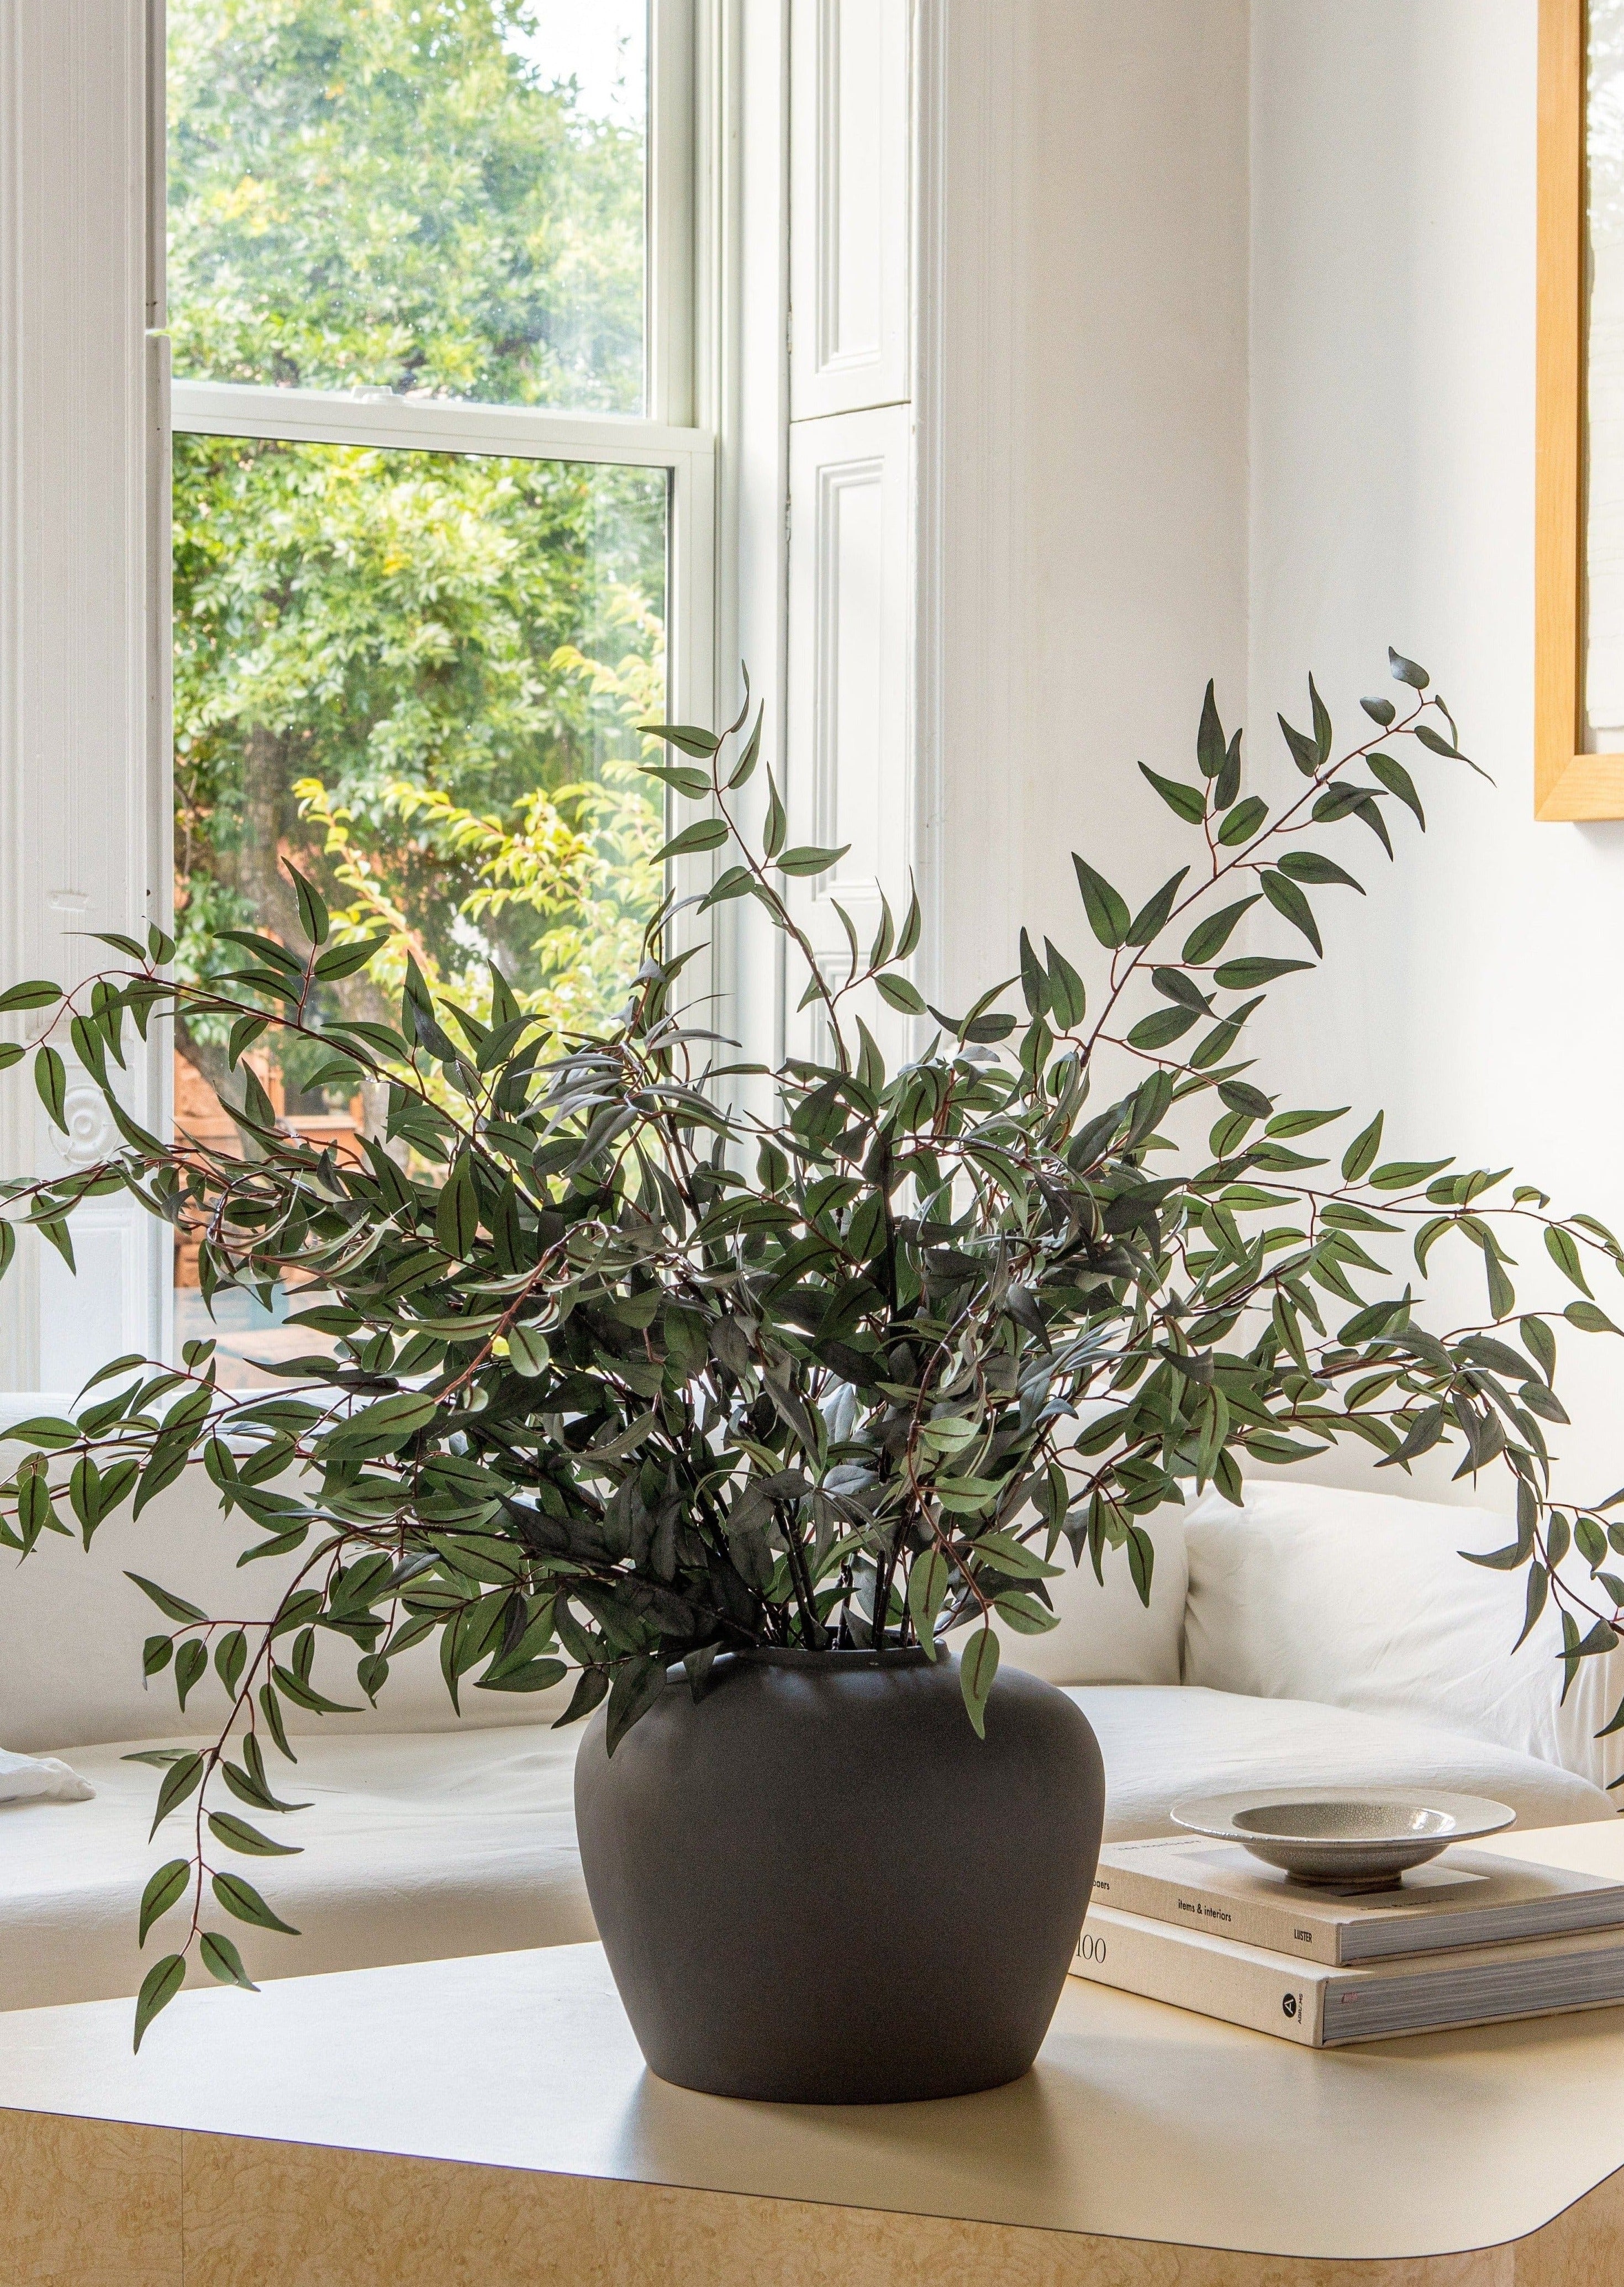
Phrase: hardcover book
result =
(1466, 1897)
(1324, 2008)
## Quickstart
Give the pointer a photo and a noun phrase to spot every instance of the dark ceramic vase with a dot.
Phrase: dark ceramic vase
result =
(816, 1884)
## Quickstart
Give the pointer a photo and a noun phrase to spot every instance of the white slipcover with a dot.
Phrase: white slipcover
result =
(421, 1846)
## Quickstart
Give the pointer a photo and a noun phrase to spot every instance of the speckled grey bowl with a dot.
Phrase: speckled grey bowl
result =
(1343, 1838)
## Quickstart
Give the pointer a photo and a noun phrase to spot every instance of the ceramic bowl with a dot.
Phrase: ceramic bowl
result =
(1343, 1838)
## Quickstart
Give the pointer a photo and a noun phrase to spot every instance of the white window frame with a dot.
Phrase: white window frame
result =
(117, 203)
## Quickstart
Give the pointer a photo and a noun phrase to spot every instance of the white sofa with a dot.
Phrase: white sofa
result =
(1316, 1636)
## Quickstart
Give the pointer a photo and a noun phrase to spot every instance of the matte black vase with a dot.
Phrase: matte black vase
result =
(817, 1886)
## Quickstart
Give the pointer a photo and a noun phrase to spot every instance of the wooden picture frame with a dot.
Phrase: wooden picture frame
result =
(1568, 783)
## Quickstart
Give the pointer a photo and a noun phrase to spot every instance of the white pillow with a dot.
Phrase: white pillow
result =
(1362, 1600)
(40, 1779)
(1106, 1634)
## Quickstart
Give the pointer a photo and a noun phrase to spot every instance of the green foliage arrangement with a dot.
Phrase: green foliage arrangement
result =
(607, 1377)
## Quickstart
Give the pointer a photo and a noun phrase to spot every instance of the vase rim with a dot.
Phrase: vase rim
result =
(795, 1655)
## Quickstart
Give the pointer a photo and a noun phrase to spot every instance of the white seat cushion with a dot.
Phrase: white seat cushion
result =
(416, 1847)
(1362, 1599)
(1161, 1745)
(420, 1846)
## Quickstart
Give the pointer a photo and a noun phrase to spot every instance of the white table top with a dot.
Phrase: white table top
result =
(1139, 2121)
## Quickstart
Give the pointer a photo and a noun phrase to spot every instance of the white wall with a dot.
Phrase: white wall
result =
(1083, 284)
(1473, 994)
(1227, 368)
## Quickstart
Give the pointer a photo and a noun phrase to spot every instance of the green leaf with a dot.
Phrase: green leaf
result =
(637, 1684)
(976, 1668)
(1304, 752)
(1009, 1554)
(1303, 1123)
(1209, 743)
(1153, 917)
(230, 1658)
(1435, 742)
(51, 1079)
(1024, 1613)
(1208, 938)
(1108, 915)
(1308, 866)
(1405, 670)
(1588, 1319)
(1243, 822)
(1067, 998)
(386, 1423)
(805, 860)
(693, 786)
(1162, 1026)
(338, 962)
(172, 1607)
(1393, 774)
(1287, 899)
(241, 1899)
(1380, 711)
(900, 994)
(314, 918)
(1141, 1562)
(1187, 801)
(1322, 726)
(927, 1590)
(221, 1959)
(237, 1834)
(1540, 1343)
(527, 1351)
(181, 1779)
(191, 1663)
(1562, 1249)
(704, 833)
(777, 823)
(1240, 975)
(686, 736)
(1539, 1588)
(747, 762)
(168, 1885)
(36, 993)
(1403, 1174)
(159, 1988)
(1359, 1157)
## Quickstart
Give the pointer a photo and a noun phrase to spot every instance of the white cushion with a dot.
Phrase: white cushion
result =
(1161, 1745)
(1315, 1592)
(37, 1778)
(1106, 1634)
(416, 1847)
(72, 1627)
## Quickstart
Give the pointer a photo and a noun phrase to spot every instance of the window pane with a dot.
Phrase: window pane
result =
(443, 198)
(415, 677)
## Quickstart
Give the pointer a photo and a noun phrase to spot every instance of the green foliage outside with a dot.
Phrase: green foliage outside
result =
(415, 675)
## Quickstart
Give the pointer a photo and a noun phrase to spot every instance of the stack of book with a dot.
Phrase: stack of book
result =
(1467, 1939)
